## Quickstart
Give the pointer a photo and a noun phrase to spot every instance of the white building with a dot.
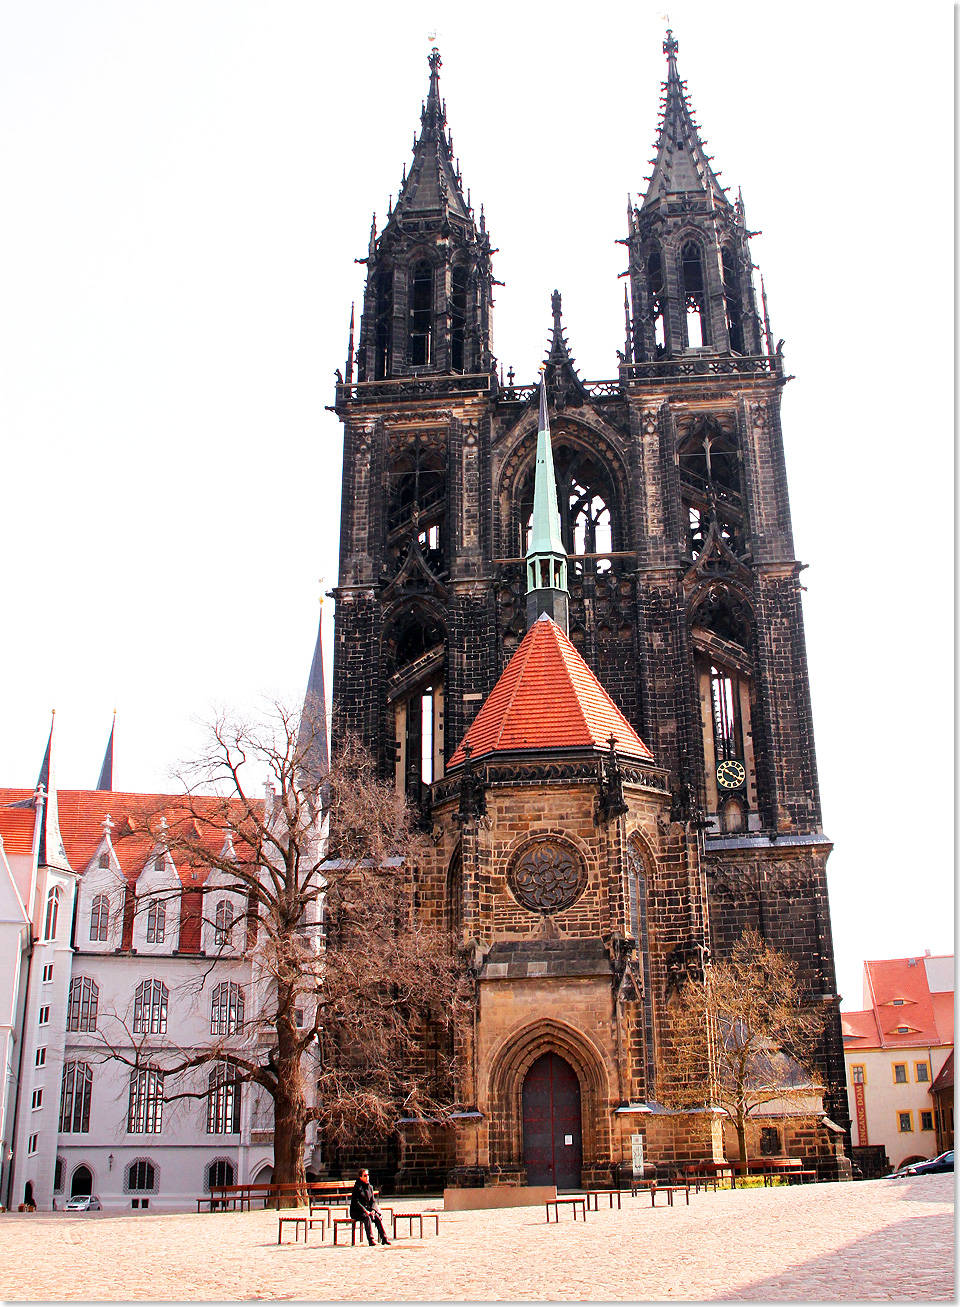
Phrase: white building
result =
(112, 953)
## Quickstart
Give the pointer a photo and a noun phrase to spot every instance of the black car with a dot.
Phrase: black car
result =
(937, 1164)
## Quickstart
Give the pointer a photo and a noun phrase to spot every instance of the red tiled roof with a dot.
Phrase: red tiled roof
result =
(906, 979)
(16, 828)
(859, 1030)
(547, 698)
(82, 813)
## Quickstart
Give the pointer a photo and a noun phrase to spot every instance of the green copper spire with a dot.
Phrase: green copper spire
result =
(546, 557)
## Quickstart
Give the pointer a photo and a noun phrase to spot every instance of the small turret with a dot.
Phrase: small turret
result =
(546, 559)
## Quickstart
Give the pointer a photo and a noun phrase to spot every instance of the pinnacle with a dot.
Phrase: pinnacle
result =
(682, 165)
(432, 184)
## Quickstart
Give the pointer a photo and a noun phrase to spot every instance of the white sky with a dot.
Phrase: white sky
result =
(186, 186)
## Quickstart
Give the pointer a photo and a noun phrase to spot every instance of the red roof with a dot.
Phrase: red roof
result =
(548, 698)
(16, 828)
(82, 813)
(904, 1013)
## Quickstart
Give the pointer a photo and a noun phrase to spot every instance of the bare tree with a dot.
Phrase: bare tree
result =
(355, 999)
(743, 1036)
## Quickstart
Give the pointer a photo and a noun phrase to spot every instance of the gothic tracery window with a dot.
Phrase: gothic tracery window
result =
(732, 299)
(226, 1009)
(587, 508)
(710, 488)
(383, 325)
(458, 319)
(655, 292)
(223, 1102)
(694, 295)
(150, 1008)
(82, 1004)
(75, 1092)
(421, 315)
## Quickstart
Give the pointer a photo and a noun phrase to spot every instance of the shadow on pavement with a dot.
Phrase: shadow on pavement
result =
(910, 1260)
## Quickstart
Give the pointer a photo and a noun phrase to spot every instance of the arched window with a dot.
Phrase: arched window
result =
(76, 1088)
(586, 501)
(156, 921)
(150, 1008)
(223, 1104)
(141, 1177)
(103, 862)
(421, 315)
(732, 299)
(226, 1009)
(725, 705)
(145, 1114)
(694, 295)
(722, 632)
(655, 293)
(82, 1004)
(219, 1173)
(100, 919)
(223, 923)
(53, 911)
(710, 486)
(414, 656)
(458, 319)
(384, 323)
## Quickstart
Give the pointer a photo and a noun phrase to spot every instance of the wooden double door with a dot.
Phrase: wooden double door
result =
(552, 1136)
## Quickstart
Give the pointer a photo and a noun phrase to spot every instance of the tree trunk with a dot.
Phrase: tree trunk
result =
(742, 1141)
(289, 1129)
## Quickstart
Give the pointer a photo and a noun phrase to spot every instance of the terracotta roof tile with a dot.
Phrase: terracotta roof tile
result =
(547, 698)
(16, 829)
(901, 997)
(82, 813)
(859, 1030)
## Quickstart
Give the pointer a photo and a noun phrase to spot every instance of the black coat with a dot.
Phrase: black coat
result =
(362, 1200)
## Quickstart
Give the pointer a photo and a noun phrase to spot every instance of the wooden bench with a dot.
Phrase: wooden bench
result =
(557, 1203)
(597, 1194)
(415, 1216)
(339, 1221)
(654, 1188)
(296, 1222)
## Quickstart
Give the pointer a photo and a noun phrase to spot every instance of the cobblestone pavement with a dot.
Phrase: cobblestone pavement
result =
(882, 1239)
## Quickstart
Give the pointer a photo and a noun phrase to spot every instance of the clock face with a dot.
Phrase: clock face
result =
(731, 774)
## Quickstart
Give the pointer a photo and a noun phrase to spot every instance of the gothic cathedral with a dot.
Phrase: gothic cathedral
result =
(568, 622)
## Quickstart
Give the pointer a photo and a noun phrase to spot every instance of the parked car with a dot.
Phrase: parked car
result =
(935, 1166)
(83, 1203)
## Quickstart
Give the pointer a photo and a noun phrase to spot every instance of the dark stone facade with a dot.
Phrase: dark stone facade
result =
(684, 587)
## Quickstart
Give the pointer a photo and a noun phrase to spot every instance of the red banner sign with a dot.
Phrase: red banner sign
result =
(860, 1107)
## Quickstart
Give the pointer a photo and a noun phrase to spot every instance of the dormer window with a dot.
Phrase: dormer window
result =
(156, 921)
(100, 919)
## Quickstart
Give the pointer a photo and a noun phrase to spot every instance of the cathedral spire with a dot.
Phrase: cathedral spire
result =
(432, 182)
(682, 165)
(106, 771)
(546, 559)
(312, 740)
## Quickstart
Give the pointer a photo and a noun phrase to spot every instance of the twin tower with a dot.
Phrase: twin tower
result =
(672, 563)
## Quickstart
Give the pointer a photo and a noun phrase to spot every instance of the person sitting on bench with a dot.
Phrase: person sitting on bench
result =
(363, 1207)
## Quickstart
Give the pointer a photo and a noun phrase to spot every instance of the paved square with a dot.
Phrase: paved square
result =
(882, 1239)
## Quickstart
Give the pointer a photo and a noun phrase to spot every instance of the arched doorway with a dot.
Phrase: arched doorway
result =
(552, 1136)
(82, 1182)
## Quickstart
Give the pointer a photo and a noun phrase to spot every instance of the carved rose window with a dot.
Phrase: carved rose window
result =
(547, 876)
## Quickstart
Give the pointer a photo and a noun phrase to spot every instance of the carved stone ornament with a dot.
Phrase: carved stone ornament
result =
(547, 876)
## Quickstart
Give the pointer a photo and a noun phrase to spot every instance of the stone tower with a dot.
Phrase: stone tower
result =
(681, 587)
